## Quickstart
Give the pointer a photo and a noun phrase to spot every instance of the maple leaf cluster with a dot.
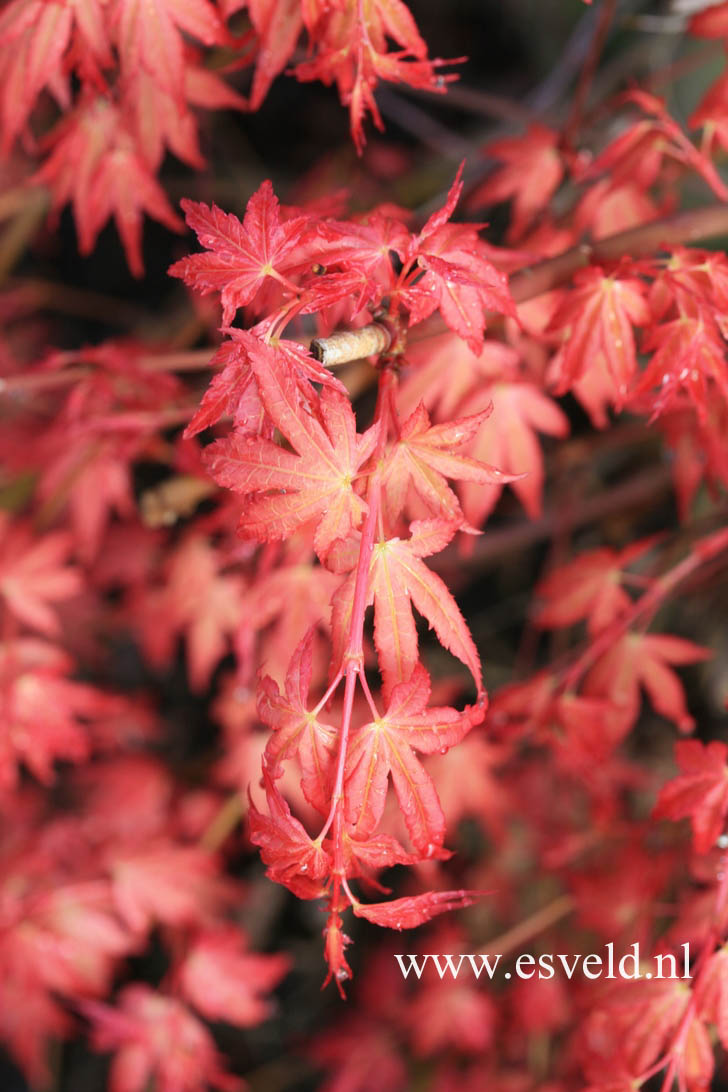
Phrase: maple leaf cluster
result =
(300, 464)
(128, 79)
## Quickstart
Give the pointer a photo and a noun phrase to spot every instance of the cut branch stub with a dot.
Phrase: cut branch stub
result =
(347, 345)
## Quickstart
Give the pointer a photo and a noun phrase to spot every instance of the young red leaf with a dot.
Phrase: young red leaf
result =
(163, 881)
(156, 1040)
(149, 39)
(699, 792)
(95, 164)
(242, 256)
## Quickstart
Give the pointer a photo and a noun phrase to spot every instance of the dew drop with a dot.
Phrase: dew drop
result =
(443, 750)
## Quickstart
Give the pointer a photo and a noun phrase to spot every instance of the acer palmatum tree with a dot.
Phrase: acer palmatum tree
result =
(389, 390)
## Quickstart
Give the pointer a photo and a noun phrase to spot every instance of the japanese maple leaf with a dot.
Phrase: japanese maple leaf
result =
(386, 747)
(224, 981)
(92, 466)
(589, 586)
(44, 714)
(292, 857)
(425, 455)
(399, 580)
(637, 155)
(444, 372)
(597, 316)
(241, 255)
(367, 245)
(713, 1003)
(689, 357)
(314, 482)
(234, 391)
(458, 278)
(532, 172)
(34, 574)
(290, 599)
(36, 37)
(510, 442)
(451, 1012)
(148, 37)
(643, 659)
(204, 604)
(72, 938)
(298, 731)
(699, 792)
(278, 24)
(163, 881)
(95, 164)
(157, 1041)
(352, 51)
(414, 910)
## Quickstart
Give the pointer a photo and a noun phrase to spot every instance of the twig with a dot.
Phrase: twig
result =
(526, 930)
(601, 32)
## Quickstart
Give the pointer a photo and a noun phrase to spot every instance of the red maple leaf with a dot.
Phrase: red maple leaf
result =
(36, 38)
(162, 881)
(637, 155)
(589, 586)
(385, 747)
(34, 574)
(351, 50)
(699, 792)
(458, 277)
(510, 442)
(296, 730)
(642, 659)
(278, 24)
(532, 173)
(44, 714)
(242, 255)
(596, 317)
(289, 489)
(293, 858)
(425, 455)
(399, 580)
(156, 1039)
(689, 358)
(148, 37)
(234, 391)
(203, 603)
(224, 981)
(95, 164)
(414, 910)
